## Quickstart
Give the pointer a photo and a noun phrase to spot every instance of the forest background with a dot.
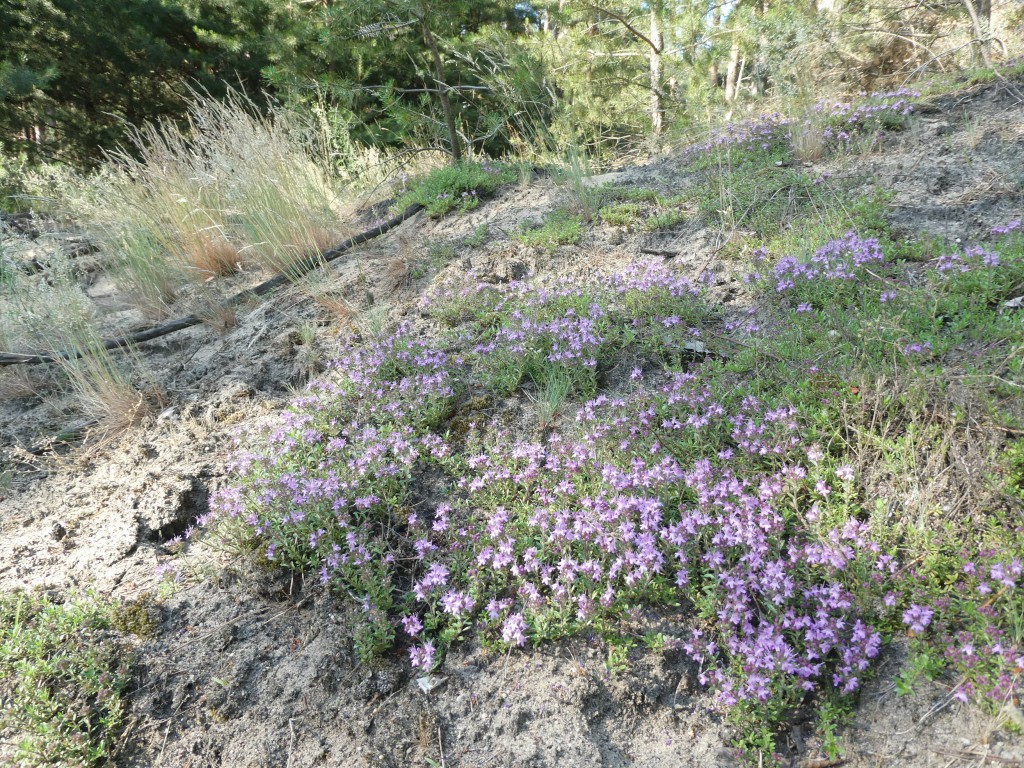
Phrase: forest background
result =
(470, 77)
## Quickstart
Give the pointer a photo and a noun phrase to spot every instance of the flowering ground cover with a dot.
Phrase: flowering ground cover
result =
(616, 509)
(836, 124)
(722, 479)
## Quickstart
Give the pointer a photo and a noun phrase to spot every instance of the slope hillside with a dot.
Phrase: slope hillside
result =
(711, 461)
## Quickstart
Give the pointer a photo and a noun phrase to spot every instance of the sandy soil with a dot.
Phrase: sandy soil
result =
(248, 668)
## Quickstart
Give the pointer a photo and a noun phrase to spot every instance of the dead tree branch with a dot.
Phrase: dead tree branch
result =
(156, 331)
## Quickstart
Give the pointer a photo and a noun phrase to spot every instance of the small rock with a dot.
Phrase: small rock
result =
(58, 532)
(430, 683)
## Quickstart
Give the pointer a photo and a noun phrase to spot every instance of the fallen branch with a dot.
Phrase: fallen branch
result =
(156, 331)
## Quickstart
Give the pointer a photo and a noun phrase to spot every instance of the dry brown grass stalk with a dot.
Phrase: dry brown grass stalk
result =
(19, 381)
(212, 256)
(397, 274)
(808, 138)
(214, 312)
(336, 304)
(103, 386)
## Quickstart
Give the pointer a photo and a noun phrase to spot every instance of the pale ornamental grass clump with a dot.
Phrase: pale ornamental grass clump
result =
(55, 316)
(185, 203)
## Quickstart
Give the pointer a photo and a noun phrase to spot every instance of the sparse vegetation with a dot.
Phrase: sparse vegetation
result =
(63, 676)
(559, 228)
(621, 214)
(456, 187)
(695, 443)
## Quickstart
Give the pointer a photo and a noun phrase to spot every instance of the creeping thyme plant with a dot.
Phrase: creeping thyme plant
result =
(722, 477)
(455, 187)
(63, 680)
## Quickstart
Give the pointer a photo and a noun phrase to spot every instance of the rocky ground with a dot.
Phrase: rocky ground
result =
(245, 667)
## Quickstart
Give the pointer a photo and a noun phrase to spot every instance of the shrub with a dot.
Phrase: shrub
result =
(559, 228)
(621, 214)
(727, 486)
(456, 187)
(322, 490)
(62, 678)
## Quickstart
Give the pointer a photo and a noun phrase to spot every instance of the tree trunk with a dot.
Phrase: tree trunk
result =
(658, 45)
(442, 92)
(716, 24)
(985, 18)
(732, 73)
(980, 12)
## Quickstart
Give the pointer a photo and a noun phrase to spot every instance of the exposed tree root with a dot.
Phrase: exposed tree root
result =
(156, 331)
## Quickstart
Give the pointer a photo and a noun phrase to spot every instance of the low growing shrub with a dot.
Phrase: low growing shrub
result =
(456, 187)
(559, 228)
(62, 679)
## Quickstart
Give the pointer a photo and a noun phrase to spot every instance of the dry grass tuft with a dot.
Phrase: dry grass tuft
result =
(922, 454)
(807, 135)
(326, 292)
(20, 381)
(232, 186)
(397, 274)
(51, 313)
(213, 311)
(336, 304)
(213, 256)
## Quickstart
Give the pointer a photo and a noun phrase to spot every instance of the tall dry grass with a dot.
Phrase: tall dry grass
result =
(231, 186)
(52, 314)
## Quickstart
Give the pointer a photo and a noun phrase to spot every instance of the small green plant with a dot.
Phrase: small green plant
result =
(373, 636)
(62, 678)
(1014, 458)
(479, 237)
(621, 214)
(663, 220)
(636, 195)
(832, 715)
(921, 665)
(440, 252)
(457, 188)
(656, 642)
(307, 356)
(617, 661)
(571, 174)
(757, 197)
(559, 228)
(550, 400)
